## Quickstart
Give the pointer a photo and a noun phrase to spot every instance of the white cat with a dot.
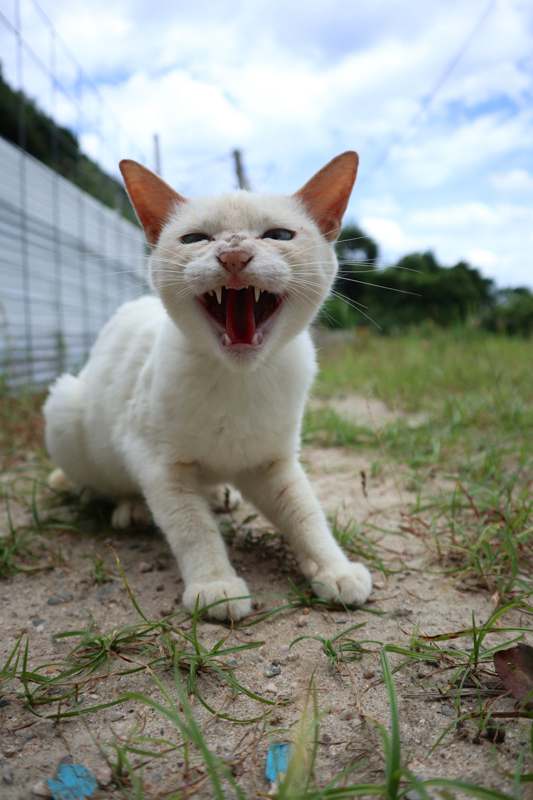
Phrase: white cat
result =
(206, 383)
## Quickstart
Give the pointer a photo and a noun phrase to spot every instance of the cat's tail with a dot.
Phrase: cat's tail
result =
(64, 434)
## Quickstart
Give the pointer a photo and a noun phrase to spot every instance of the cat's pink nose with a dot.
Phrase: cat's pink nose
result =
(235, 260)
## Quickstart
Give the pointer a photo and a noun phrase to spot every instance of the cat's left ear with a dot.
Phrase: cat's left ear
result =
(152, 198)
(326, 195)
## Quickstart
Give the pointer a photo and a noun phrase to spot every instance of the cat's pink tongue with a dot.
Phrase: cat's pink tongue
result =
(240, 322)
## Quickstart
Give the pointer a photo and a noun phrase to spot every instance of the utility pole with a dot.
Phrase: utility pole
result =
(157, 154)
(242, 180)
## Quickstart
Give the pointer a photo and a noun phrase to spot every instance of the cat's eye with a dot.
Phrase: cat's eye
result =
(280, 234)
(192, 238)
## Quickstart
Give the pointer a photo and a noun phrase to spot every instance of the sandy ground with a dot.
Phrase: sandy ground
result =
(31, 748)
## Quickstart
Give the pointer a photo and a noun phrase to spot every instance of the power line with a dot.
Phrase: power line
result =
(426, 102)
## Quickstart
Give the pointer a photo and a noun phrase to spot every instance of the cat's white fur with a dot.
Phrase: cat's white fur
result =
(163, 412)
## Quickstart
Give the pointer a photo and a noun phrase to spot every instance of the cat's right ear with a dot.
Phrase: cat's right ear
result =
(152, 198)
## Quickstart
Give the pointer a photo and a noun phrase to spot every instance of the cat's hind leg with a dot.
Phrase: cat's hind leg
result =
(131, 513)
(59, 480)
(223, 499)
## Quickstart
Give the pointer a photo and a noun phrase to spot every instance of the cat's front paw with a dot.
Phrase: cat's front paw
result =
(220, 590)
(350, 583)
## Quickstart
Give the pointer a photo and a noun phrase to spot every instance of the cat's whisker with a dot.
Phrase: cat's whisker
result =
(356, 306)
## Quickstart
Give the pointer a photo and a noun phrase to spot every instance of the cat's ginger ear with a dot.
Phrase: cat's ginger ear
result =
(326, 195)
(152, 198)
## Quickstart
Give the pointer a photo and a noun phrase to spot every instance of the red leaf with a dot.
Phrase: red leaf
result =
(515, 668)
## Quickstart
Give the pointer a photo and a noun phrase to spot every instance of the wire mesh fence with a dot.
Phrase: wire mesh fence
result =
(68, 254)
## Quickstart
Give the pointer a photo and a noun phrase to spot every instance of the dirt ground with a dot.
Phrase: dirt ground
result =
(347, 485)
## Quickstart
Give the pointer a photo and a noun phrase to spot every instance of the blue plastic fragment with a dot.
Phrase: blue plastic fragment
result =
(278, 760)
(74, 782)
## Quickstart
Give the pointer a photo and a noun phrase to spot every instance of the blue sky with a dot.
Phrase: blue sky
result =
(295, 82)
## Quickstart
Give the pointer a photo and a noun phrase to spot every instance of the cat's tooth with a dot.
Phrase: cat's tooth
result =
(226, 339)
(218, 293)
(257, 291)
(255, 338)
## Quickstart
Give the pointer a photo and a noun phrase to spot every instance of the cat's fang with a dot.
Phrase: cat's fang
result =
(257, 292)
(225, 339)
(218, 293)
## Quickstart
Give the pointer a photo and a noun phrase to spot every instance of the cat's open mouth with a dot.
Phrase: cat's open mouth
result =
(241, 313)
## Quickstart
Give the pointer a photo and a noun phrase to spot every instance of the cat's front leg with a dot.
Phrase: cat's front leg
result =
(283, 494)
(182, 512)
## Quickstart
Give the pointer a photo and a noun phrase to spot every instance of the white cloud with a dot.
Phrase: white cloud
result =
(294, 82)
(513, 181)
(482, 258)
(391, 237)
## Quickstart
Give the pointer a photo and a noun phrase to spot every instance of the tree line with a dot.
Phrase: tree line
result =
(25, 124)
(418, 289)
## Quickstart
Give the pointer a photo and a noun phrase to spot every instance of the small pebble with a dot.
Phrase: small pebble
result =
(9, 751)
(131, 544)
(104, 591)
(302, 621)
(28, 738)
(104, 776)
(293, 657)
(257, 657)
(37, 622)
(56, 599)
(271, 671)
(447, 710)
(166, 611)
(493, 732)
(8, 778)
(232, 662)
(144, 566)
(271, 687)
(160, 587)
(114, 716)
(41, 789)
(369, 672)
(348, 713)
(4, 702)
(401, 612)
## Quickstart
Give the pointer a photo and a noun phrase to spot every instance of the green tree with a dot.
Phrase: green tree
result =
(22, 122)
(511, 313)
(357, 254)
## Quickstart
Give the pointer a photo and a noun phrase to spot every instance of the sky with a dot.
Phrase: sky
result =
(436, 96)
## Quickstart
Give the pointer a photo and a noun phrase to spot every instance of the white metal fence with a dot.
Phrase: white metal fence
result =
(66, 262)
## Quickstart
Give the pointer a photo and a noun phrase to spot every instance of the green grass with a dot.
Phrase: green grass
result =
(468, 462)
(420, 369)
(476, 430)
